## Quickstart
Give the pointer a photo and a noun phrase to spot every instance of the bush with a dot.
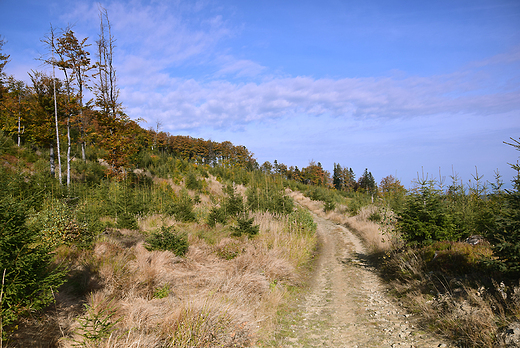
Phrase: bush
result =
(456, 258)
(269, 198)
(357, 201)
(192, 183)
(27, 263)
(90, 172)
(182, 207)
(245, 226)
(375, 217)
(425, 217)
(216, 215)
(301, 221)
(234, 204)
(329, 205)
(505, 236)
(127, 220)
(57, 225)
(167, 239)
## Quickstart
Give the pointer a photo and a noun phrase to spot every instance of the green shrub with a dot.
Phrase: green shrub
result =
(90, 172)
(375, 217)
(245, 227)
(96, 325)
(30, 278)
(425, 217)
(233, 204)
(216, 215)
(192, 183)
(57, 225)
(329, 205)
(6, 144)
(269, 198)
(456, 258)
(182, 207)
(301, 221)
(167, 239)
(505, 235)
(318, 193)
(357, 201)
(127, 220)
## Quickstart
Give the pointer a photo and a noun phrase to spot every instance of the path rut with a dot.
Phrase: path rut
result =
(347, 304)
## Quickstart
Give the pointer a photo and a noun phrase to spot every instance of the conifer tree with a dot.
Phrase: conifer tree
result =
(367, 182)
(337, 177)
(25, 263)
(505, 236)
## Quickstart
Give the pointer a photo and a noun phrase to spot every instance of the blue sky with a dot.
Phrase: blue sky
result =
(398, 87)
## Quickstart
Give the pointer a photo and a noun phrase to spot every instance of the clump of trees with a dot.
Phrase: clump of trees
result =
(51, 112)
(29, 278)
(433, 213)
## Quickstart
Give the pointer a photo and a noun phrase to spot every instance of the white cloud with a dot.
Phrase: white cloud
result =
(223, 103)
(166, 33)
(238, 67)
(157, 40)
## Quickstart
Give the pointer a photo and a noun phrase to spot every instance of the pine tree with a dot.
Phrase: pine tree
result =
(25, 262)
(505, 236)
(337, 177)
(367, 182)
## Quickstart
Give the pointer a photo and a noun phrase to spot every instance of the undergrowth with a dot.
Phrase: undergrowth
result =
(453, 289)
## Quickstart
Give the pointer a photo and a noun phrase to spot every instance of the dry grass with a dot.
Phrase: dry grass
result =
(472, 317)
(224, 293)
(449, 303)
(156, 221)
(214, 188)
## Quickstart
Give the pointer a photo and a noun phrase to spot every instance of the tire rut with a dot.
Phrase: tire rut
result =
(347, 304)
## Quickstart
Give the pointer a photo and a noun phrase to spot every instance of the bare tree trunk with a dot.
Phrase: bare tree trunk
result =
(83, 143)
(53, 166)
(107, 87)
(56, 110)
(19, 116)
(83, 155)
(68, 152)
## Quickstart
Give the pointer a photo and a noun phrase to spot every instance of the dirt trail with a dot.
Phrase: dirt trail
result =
(347, 305)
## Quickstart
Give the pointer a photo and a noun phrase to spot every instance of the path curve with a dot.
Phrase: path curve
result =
(347, 304)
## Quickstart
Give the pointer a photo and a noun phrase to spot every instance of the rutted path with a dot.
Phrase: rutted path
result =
(347, 304)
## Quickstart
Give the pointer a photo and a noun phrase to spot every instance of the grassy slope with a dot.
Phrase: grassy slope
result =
(228, 290)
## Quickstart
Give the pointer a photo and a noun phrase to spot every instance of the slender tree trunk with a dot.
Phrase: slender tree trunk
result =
(83, 143)
(68, 151)
(53, 166)
(19, 116)
(83, 155)
(56, 118)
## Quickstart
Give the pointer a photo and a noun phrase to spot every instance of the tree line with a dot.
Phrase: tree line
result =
(53, 113)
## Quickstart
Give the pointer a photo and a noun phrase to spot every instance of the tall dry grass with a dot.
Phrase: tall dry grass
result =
(457, 304)
(225, 293)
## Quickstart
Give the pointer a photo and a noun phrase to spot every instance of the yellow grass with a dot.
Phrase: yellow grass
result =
(223, 294)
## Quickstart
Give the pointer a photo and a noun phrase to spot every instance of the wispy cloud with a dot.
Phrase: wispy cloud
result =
(157, 40)
(231, 66)
(222, 103)
(166, 33)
